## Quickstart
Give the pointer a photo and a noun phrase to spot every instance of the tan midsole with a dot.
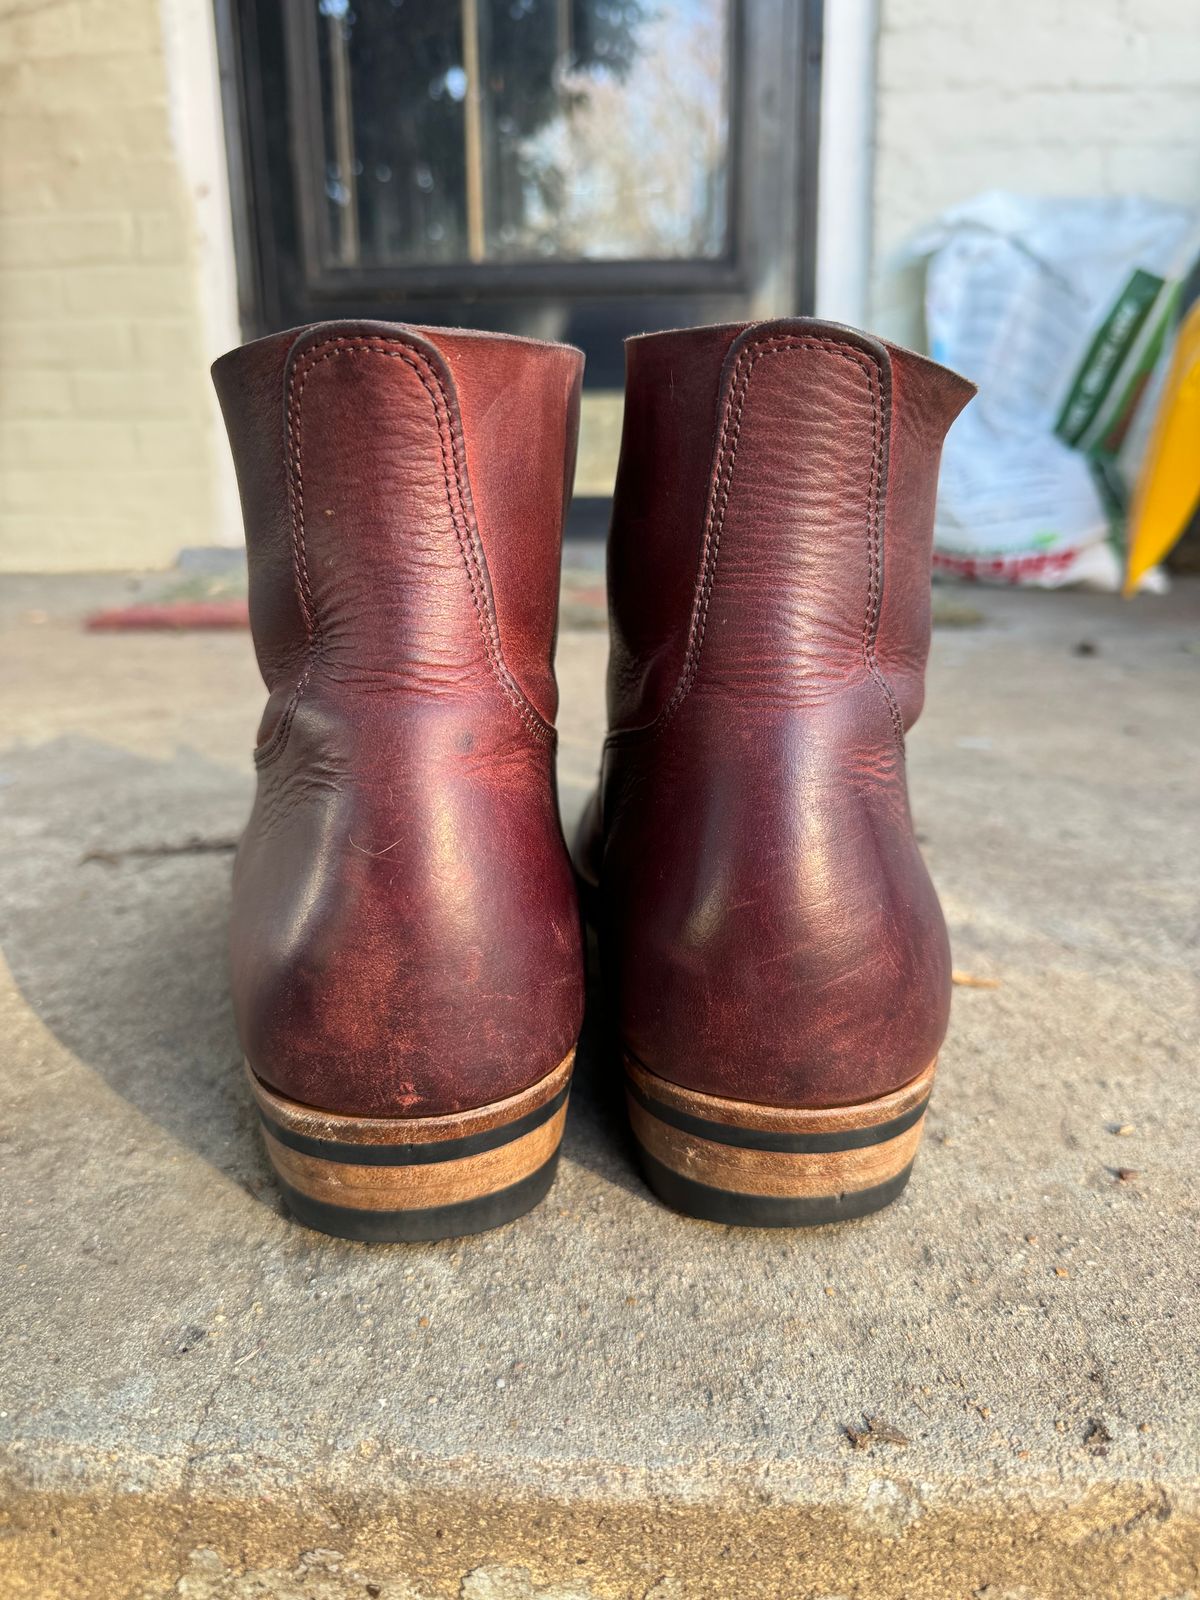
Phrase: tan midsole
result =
(404, 1188)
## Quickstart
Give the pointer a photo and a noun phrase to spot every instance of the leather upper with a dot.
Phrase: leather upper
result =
(770, 930)
(405, 936)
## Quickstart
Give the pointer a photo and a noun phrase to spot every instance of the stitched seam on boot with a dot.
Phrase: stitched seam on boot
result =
(450, 443)
(715, 520)
(875, 557)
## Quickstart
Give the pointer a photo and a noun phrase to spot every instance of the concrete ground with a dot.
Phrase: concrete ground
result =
(200, 1398)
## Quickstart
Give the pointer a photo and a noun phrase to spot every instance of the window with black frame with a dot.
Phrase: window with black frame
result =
(578, 169)
(546, 130)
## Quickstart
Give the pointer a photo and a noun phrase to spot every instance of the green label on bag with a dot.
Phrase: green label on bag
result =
(1106, 434)
(1105, 354)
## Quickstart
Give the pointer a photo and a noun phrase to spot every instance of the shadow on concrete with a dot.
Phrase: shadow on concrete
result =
(116, 903)
(597, 1135)
(121, 953)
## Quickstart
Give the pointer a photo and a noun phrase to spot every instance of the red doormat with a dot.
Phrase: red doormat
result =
(171, 616)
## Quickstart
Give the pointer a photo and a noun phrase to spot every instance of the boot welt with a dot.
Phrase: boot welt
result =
(397, 1179)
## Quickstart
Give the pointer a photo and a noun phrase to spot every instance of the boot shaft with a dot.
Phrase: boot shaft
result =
(403, 493)
(772, 933)
(773, 519)
(405, 938)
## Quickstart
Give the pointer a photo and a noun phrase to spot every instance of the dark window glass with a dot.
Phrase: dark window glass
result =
(513, 131)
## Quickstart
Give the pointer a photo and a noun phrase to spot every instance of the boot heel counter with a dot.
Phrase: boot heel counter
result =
(763, 944)
(429, 957)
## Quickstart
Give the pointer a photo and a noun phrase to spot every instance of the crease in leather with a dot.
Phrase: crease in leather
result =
(751, 347)
(302, 360)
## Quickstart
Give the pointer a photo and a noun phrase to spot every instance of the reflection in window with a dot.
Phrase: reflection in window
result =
(524, 130)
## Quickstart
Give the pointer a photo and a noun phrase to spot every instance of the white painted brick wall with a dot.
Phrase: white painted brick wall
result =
(1066, 97)
(107, 443)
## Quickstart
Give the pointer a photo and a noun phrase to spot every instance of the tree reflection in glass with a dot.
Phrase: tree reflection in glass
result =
(524, 130)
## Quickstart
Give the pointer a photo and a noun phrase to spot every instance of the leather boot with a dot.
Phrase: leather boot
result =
(774, 949)
(407, 969)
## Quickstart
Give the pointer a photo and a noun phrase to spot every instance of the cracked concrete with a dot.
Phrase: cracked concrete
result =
(200, 1398)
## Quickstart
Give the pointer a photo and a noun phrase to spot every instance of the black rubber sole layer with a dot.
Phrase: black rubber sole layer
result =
(765, 1211)
(421, 1226)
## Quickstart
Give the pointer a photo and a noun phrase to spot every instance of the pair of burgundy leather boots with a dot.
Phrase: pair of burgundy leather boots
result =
(408, 965)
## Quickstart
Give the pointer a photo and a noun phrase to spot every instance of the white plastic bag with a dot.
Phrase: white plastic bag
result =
(1058, 310)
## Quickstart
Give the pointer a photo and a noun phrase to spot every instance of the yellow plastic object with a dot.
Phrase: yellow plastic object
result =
(1168, 487)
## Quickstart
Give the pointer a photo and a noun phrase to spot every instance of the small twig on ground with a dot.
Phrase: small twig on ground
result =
(876, 1431)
